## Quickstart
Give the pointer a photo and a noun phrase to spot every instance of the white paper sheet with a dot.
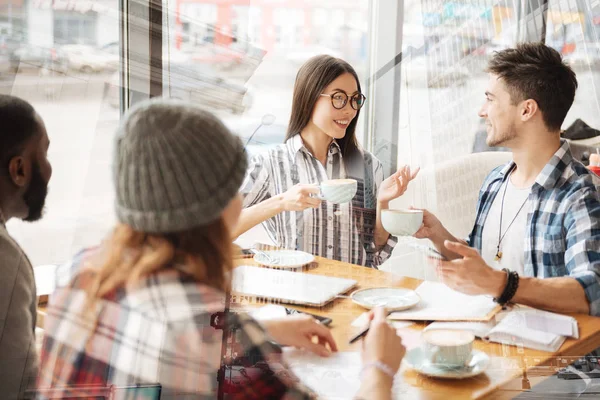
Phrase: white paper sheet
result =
(270, 311)
(336, 377)
(479, 329)
(363, 319)
(547, 321)
(440, 303)
(513, 330)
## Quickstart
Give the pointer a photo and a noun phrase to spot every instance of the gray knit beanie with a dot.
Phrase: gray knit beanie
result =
(176, 167)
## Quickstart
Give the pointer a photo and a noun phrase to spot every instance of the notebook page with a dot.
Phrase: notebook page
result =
(479, 329)
(513, 330)
(551, 322)
(440, 303)
(336, 377)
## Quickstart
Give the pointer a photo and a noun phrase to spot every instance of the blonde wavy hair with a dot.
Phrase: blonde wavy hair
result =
(205, 252)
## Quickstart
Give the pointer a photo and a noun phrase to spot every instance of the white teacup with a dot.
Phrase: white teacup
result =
(402, 222)
(338, 191)
(448, 347)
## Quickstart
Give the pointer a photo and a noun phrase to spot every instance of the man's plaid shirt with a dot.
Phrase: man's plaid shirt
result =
(157, 330)
(562, 235)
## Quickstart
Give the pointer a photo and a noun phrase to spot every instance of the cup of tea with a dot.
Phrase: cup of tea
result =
(448, 347)
(402, 222)
(338, 191)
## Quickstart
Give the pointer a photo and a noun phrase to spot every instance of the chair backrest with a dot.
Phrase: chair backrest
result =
(449, 190)
(98, 392)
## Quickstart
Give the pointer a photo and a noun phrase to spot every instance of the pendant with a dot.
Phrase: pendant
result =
(498, 255)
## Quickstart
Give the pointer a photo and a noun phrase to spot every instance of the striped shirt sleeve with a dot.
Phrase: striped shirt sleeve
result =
(256, 185)
(582, 256)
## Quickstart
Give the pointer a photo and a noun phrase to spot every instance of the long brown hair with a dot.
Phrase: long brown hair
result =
(312, 78)
(205, 252)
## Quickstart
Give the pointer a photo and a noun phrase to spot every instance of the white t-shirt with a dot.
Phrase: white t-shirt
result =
(513, 243)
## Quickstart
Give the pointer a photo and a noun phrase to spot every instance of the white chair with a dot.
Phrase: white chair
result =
(449, 190)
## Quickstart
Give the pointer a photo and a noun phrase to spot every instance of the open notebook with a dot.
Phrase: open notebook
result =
(336, 377)
(440, 303)
(530, 328)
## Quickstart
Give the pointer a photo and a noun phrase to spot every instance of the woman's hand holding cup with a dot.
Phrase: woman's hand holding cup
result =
(301, 197)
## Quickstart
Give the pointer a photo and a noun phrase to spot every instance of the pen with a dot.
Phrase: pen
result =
(364, 331)
(360, 334)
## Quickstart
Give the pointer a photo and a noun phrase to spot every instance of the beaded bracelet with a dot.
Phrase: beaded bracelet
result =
(380, 366)
(512, 284)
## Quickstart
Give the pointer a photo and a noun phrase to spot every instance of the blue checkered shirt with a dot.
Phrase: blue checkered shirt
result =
(562, 236)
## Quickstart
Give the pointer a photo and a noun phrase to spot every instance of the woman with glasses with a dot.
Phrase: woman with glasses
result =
(281, 187)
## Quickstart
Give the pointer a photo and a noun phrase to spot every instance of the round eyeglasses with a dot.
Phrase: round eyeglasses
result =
(340, 99)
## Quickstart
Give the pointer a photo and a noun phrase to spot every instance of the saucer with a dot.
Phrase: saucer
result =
(284, 258)
(416, 360)
(393, 299)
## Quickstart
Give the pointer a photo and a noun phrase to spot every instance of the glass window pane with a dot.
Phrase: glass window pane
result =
(51, 54)
(248, 54)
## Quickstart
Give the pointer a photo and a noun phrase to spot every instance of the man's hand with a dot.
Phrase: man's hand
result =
(431, 228)
(469, 274)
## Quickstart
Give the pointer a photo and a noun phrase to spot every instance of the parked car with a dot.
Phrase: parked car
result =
(197, 85)
(8, 44)
(265, 138)
(84, 58)
(111, 54)
(585, 55)
(34, 58)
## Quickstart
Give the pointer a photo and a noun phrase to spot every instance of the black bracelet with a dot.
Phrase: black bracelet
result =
(512, 284)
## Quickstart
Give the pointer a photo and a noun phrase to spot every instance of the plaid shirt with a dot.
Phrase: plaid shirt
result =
(343, 232)
(562, 236)
(160, 329)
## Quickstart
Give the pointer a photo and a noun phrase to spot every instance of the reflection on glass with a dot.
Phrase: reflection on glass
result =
(243, 56)
(60, 57)
(446, 46)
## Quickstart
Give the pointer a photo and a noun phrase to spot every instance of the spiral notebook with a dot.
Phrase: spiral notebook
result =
(288, 286)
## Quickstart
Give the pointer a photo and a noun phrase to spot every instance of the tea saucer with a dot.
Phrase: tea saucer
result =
(417, 360)
(393, 299)
(284, 258)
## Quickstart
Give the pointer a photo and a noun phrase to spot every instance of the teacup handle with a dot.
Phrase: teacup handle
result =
(468, 360)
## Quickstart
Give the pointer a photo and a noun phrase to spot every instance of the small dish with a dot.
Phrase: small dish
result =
(417, 360)
(393, 299)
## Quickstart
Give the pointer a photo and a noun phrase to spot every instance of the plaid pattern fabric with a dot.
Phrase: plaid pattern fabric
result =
(563, 222)
(342, 232)
(157, 330)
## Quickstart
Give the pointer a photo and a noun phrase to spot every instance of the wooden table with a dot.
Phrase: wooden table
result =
(511, 367)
